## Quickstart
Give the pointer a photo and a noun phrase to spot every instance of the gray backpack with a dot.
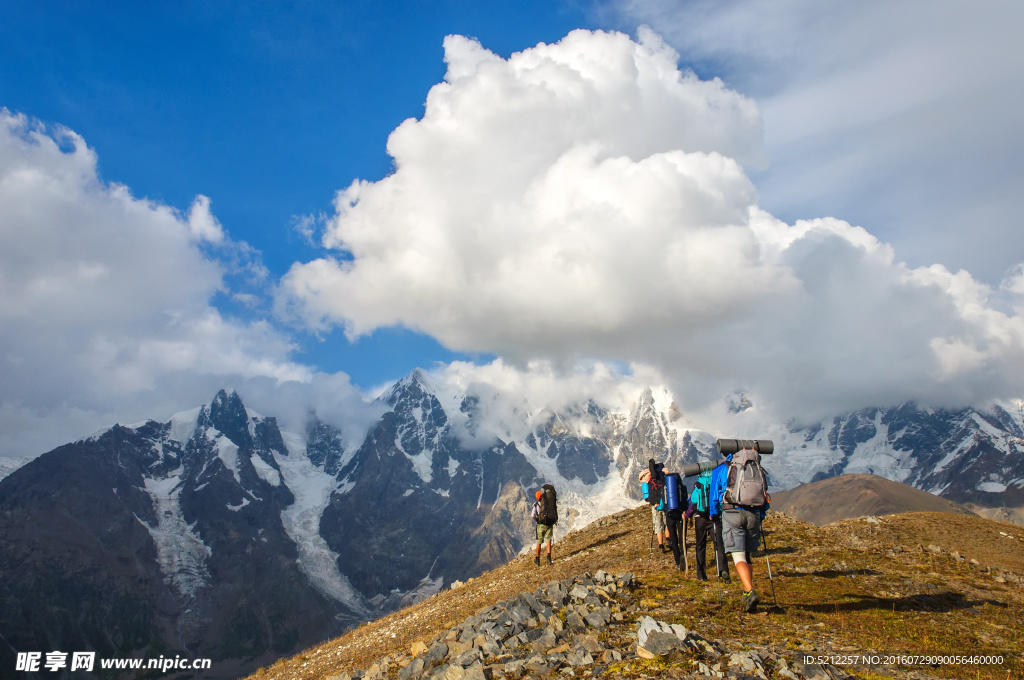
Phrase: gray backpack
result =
(746, 484)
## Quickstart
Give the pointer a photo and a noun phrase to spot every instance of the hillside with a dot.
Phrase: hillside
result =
(918, 583)
(847, 496)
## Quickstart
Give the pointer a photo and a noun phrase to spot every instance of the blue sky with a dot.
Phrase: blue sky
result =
(267, 108)
(817, 206)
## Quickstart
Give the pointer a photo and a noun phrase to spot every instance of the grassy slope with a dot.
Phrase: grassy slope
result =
(853, 586)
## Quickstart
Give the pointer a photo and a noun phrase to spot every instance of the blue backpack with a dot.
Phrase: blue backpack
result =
(701, 496)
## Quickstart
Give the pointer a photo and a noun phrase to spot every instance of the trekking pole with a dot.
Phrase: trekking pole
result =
(718, 570)
(686, 560)
(769, 562)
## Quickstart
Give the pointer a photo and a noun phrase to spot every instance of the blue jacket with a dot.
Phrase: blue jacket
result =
(719, 478)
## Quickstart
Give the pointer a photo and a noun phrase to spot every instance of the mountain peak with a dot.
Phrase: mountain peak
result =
(415, 385)
(227, 413)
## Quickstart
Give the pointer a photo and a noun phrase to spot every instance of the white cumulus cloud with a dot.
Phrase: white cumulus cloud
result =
(587, 200)
(105, 299)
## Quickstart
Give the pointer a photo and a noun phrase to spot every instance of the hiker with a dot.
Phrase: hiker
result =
(545, 514)
(676, 503)
(652, 484)
(704, 524)
(739, 493)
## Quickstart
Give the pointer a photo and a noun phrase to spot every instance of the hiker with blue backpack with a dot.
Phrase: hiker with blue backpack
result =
(676, 505)
(739, 494)
(705, 523)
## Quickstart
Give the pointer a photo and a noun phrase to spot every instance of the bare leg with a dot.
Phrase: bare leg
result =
(745, 571)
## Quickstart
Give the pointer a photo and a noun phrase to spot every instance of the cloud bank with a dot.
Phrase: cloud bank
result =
(587, 200)
(105, 311)
(898, 115)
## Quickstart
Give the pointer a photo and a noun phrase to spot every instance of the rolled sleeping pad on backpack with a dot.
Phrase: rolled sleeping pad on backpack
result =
(763, 446)
(672, 484)
(691, 469)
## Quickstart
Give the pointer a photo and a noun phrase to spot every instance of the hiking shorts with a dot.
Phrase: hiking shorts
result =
(658, 518)
(545, 533)
(741, 530)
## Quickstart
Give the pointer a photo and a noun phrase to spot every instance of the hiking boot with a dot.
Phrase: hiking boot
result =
(663, 548)
(549, 559)
(750, 601)
(725, 577)
(702, 577)
(536, 560)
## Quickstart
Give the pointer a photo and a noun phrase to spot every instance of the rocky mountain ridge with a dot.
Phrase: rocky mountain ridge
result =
(906, 585)
(175, 515)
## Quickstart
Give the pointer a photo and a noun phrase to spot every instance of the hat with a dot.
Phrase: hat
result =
(539, 494)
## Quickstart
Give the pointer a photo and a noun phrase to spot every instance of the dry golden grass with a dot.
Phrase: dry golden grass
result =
(840, 588)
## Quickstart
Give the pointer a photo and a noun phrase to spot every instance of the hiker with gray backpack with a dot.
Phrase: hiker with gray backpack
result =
(739, 492)
(545, 514)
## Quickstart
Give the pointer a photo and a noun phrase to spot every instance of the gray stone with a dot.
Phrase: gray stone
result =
(575, 622)
(660, 643)
(453, 672)
(514, 667)
(436, 652)
(537, 664)
(812, 671)
(467, 658)
(589, 643)
(579, 657)
(474, 672)
(579, 592)
(458, 648)
(532, 602)
(743, 661)
(546, 641)
(413, 670)
(489, 647)
(599, 617)
(520, 613)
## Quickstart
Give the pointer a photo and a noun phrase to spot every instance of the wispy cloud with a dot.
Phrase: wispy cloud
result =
(900, 116)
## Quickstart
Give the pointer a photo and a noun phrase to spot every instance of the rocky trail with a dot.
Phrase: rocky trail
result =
(899, 596)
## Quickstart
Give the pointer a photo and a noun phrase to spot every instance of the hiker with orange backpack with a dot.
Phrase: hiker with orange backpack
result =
(652, 486)
(545, 514)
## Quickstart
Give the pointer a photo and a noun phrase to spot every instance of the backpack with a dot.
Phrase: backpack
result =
(652, 482)
(548, 506)
(702, 494)
(746, 484)
(675, 492)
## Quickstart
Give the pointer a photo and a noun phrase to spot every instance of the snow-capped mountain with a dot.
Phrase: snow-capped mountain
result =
(9, 465)
(217, 535)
